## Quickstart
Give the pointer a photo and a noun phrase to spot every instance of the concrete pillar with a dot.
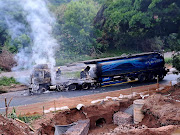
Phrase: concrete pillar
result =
(138, 115)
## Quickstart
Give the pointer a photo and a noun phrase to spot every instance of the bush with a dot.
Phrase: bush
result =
(5, 81)
(13, 114)
(26, 119)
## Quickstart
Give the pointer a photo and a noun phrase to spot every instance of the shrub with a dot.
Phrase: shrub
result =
(5, 81)
(26, 119)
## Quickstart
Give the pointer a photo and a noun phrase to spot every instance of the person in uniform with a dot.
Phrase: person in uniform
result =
(83, 74)
(58, 71)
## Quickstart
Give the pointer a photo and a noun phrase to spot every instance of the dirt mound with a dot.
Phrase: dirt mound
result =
(174, 92)
(61, 118)
(13, 127)
(162, 110)
(99, 114)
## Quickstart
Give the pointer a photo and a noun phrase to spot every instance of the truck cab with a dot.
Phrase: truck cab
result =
(40, 79)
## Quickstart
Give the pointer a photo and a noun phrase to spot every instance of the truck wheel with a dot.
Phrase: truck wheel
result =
(41, 90)
(141, 78)
(30, 92)
(60, 88)
(151, 77)
(86, 86)
(161, 77)
(72, 87)
(95, 85)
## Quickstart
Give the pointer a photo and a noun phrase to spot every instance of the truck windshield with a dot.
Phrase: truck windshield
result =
(38, 74)
(47, 74)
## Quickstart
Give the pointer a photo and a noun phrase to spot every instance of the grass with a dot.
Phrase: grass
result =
(75, 74)
(168, 61)
(5, 81)
(24, 118)
(28, 119)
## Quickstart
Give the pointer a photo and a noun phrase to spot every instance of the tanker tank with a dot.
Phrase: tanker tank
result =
(144, 66)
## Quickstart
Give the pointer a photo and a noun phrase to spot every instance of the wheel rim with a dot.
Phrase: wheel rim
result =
(142, 78)
(85, 86)
(151, 77)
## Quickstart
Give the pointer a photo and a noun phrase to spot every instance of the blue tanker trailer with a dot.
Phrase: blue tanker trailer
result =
(144, 67)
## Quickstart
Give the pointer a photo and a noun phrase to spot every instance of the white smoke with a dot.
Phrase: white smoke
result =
(40, 21)
(7, 8)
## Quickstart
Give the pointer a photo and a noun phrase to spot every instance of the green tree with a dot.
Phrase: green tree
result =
(78, 31)
(129, 23)
(12, 37)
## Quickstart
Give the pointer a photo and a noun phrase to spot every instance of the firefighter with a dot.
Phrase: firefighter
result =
(83, 74)
(58, 72)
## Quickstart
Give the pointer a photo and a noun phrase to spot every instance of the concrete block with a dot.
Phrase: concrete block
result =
(81, 128)
(121, 118)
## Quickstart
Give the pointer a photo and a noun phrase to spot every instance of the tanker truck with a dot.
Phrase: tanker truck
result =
(113, 71)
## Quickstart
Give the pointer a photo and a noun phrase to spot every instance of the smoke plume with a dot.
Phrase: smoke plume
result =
(40, 21)
(7, 18)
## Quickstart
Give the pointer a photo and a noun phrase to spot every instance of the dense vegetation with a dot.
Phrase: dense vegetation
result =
(143, 25)
(90, 28)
